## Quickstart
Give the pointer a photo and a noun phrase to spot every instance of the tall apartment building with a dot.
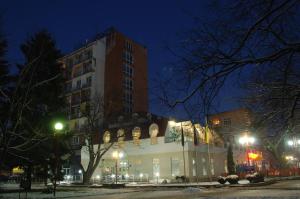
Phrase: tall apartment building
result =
(111, 67)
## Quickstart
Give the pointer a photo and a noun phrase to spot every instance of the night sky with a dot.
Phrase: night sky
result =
(152, 23)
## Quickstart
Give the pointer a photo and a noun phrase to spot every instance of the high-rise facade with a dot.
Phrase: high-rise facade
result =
(113, 68)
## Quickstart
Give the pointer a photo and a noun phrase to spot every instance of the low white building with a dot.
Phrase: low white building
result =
(154, 153)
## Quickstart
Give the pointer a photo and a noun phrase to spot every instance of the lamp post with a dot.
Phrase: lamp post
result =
(247, 141)
(117, 155)
(58, 127)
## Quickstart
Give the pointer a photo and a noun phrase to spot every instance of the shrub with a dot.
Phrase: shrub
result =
(255, 177)
(232, 179)
(222, 180)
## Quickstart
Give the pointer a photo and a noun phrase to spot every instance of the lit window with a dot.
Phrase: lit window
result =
(227, 122)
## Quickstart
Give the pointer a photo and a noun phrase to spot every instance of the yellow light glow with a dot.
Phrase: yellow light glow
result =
(216, 121)
(115, 154)
(252, 156)
(17, 170)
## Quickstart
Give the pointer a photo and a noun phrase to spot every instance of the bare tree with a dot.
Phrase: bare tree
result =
(274, 94)
(18, 135)
(247, 34)
(92, 133)
(242, 36)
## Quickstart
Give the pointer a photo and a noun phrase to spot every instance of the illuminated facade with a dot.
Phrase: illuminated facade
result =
(153, 152)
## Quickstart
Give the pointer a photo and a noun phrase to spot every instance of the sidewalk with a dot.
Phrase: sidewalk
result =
(13, 187)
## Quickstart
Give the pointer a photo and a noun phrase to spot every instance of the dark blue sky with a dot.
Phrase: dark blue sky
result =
(152, 23)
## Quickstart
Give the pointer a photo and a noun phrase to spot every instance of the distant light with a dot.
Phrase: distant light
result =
(289, 157)
(157, 174)
(242, 140)
(80, 171)
(113, 175)
(126, 175)
(58, 126)
(141, 175)
(98, 176)
(115, 154)
(246, 140)
(251, 140)
(121, 155)
(253, 156)
(290, 143)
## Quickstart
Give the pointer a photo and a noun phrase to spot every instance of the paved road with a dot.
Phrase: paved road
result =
(282, 189)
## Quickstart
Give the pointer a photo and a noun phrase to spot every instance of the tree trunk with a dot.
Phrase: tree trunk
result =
(28, 175)
(87, 176)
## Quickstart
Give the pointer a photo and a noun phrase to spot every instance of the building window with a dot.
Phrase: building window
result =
(75, 140)
(128, 102)
(212, 166)
(77, 71)
(128, 83)
(75, 112)
(88, 54)
(75, 99)
(87, 67)
(127, 70)
(227, 122)
(89, 81)
(69, 63)
(78, 84)
(175, 167)
(68, 87)
(156, 168)
(128, 46)
(128, 57)
(204, 166)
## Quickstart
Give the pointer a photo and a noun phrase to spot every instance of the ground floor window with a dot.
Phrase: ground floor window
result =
(156, 169)
(175, 167)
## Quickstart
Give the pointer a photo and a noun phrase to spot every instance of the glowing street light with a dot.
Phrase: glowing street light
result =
(58, 126)
(246, 140)
(290, 143)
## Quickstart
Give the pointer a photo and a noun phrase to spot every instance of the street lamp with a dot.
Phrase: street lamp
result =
(58, 127)
(117, 155)
(247, 141)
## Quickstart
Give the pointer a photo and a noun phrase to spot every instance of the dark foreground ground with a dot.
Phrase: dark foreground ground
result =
(282, 189)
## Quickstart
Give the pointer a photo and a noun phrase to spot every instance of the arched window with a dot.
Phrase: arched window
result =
(136, 134)
(153, 131)
(121, 137)
(106, 137)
